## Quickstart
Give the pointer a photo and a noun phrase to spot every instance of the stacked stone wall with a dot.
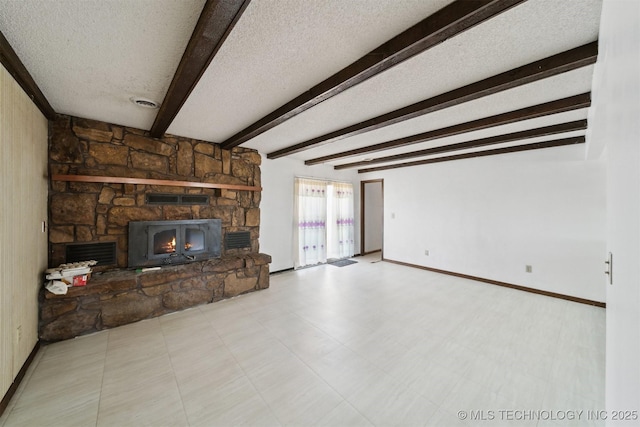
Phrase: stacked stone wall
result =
(82, 212)
(87, 212)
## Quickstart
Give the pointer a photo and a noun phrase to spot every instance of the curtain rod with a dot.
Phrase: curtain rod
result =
(323, 179)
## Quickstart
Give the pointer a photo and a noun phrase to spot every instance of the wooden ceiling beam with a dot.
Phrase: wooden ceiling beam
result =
(9, 58)
(495, 152)
(548, 108)
(538, 70)
(448, 22)
(217, 19)
(476, 143)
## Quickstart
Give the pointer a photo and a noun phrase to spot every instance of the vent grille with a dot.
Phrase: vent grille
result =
(104, 253)
(237, 240)
(194, 199)
(162, 199)
(177, 199)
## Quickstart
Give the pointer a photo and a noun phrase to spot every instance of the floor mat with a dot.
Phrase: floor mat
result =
(342, 262)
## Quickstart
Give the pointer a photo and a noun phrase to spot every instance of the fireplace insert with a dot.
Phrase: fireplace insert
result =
(154, 243)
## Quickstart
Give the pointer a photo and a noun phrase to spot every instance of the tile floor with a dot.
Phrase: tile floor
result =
(371, 343)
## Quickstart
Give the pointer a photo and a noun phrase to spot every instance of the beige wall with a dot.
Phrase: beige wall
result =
(23, 207)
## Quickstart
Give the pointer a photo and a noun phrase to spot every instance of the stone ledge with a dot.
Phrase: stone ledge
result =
(118, 297)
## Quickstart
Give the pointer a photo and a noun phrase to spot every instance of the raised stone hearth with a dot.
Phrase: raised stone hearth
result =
(118, 297)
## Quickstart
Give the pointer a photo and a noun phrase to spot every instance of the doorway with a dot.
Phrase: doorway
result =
(371, 217)
(323, 221)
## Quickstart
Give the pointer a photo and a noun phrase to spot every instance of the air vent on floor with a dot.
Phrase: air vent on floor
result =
(104, 253)
(237, 240)
(177, 199)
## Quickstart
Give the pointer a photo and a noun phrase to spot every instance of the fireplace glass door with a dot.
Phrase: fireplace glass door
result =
(194, 240)
(173, 242)
(164, 242)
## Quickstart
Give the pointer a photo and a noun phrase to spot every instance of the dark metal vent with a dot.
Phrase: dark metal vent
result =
(177, 199)
(104, 253)
(162, 199)
(237, 240)
(194, 199)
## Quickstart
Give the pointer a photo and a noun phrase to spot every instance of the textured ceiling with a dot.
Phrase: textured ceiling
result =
(281, 48)
(90, 56)
(561, 86)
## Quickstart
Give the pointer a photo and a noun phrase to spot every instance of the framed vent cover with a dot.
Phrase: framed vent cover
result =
(237, 240)
(194, 199)
(104, 252)
(177, 199)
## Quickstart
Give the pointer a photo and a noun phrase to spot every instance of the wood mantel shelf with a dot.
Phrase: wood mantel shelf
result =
(145, 181)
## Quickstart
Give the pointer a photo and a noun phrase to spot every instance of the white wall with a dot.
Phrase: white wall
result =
(276, 207)
(616, 124)
(373, 208)
(490, 217)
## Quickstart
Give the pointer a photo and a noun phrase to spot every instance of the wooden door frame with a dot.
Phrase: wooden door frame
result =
(362, 225)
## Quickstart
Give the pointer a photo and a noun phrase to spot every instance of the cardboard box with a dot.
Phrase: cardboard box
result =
(80, 280)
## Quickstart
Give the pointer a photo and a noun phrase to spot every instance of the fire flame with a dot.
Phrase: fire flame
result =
(171, 246)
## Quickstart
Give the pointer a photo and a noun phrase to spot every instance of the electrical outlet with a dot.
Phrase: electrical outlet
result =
(528, 269)
(426, 252)
(19, 333)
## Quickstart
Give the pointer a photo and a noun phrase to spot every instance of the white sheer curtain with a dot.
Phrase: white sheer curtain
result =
(342, 245)
(310, 232)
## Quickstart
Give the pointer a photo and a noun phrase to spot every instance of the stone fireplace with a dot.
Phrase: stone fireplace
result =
(130, 177)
